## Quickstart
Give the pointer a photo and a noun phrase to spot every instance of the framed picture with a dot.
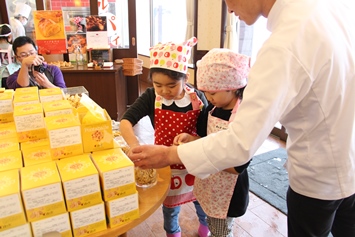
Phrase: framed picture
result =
(76, 41)
(100, 55)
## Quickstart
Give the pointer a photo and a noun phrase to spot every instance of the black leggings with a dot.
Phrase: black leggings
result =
(310, 217)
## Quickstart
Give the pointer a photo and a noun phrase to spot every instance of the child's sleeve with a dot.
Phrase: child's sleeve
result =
(201, 125)
(143, 106)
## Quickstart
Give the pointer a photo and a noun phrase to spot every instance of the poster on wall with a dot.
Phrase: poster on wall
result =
(114, 26)
(76, 42)
(49, 31)
(96, 32)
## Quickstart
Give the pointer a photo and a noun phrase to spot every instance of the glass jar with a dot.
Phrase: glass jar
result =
(145, 178)
(79, 58)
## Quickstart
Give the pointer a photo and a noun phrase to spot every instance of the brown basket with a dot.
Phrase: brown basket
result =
(132, 61)
(131, 72)
(132, 66)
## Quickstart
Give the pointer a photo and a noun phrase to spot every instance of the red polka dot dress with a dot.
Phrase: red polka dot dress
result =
(169, 124)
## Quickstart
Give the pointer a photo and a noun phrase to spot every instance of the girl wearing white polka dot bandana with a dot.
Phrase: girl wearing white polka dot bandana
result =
(222, 76)
(173, 107)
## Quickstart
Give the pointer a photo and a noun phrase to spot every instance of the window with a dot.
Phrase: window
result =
(160, 21)
(251, 38)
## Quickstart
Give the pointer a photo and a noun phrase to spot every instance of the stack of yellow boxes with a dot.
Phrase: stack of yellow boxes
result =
(6, 108)
(82, 194)
(36, 152)
(118, 185)
(10, 154)
(28, 115)
(57, 107)
(43, 199)
(64, 136)
(26, 95)
(51, 94)
(63, 166)
(12, 216)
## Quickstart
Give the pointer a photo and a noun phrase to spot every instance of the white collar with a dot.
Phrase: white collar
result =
(183, 102)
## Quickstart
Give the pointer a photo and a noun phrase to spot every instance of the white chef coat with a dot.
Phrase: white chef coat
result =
(17, 28)
(304, 77)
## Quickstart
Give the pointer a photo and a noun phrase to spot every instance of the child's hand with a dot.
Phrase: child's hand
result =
(183, 138)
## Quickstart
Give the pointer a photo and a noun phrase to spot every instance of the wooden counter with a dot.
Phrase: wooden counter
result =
(150, 199)
(106, 86)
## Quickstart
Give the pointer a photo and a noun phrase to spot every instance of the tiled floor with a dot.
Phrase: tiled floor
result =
(261, 219)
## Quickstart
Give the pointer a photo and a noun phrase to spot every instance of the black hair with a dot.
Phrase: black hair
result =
(4, 30)
(177, 76)
(239, 92)
(21, 41)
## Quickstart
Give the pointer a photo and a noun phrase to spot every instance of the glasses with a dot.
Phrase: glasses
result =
(25, 55)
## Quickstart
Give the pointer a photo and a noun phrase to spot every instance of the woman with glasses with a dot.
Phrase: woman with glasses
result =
(34, 71)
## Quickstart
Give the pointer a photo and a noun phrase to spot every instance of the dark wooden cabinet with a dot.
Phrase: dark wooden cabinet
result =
(106, 86)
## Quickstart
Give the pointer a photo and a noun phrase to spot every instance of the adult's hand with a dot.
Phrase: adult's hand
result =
(33, 60)
(154, 156)
(42, 80)
(184, 138)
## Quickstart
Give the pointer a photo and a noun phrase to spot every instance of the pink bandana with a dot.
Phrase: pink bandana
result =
(221, 70)
(172, 56)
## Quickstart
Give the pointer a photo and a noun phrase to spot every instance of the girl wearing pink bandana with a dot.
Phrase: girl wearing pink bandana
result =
(222, 76)
(173, 107)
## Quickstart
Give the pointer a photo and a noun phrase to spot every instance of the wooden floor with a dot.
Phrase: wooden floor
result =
(261, 219)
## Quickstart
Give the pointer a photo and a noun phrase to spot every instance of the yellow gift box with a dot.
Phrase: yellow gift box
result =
(36, 155)
(9, 144)
(51, 94)
(84, 105)
(29, 122)
(27, 90)
(80, 182)
(116, 173)
(64, 136)
(97, 134)
(34, 143)
(11, 160)
(122, 210)
(25, 99)
(23, 230)
(59, 223)
(58, 107)
(8, 130)
(6, 107)
(11, 214)
(89, 220)
(42, 191)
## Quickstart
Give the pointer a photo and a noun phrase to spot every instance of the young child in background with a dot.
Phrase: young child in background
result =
(173, 107)
(222, 76)
(6, 55)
